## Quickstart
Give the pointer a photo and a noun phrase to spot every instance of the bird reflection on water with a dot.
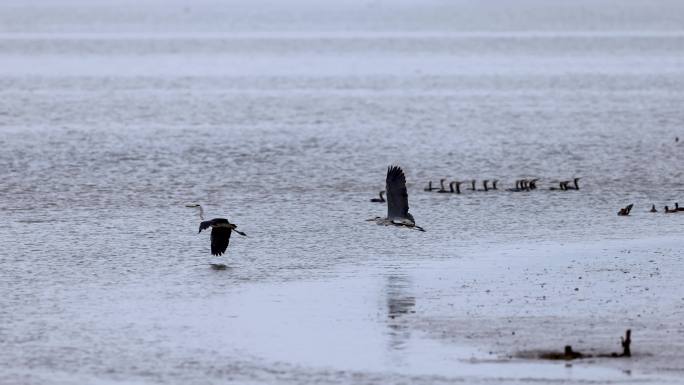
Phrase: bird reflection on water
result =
(400, 305)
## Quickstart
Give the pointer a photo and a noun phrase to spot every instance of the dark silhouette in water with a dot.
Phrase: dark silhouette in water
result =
(381, 199)
(451, 189)
(562, 186)
(520, 185)
(625, 210)
(494, 182)
(678, 208)
(668, 210)
(441, 187)
(653, 209)
(458, 184)
(472, 185)
(429, 187)
(575, 186)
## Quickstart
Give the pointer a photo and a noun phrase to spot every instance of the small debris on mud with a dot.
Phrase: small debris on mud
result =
(569, 354)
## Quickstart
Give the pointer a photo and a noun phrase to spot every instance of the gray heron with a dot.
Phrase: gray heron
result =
(221, 229)
(397, 201)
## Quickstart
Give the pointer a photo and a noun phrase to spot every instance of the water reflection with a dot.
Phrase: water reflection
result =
(400, 304)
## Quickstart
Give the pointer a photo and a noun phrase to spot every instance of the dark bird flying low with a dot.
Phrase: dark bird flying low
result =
(397, 201)
(221, 230)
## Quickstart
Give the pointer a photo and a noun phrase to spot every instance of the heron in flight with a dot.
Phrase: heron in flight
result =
(397, 201)
(220, 231)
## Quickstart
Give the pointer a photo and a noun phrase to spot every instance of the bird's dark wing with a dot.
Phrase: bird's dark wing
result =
(397, 197)
(220, 236)
(204, 225)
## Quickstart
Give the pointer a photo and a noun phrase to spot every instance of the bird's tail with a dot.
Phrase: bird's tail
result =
(241, 233)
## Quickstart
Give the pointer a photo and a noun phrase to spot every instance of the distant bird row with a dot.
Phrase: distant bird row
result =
(667, 210)
(455, 186)
(520, 185)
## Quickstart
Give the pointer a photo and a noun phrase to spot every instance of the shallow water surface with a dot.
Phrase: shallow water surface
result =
(284, 118)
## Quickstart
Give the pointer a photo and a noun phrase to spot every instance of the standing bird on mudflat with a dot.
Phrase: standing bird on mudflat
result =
(221, 229)
(397, 201)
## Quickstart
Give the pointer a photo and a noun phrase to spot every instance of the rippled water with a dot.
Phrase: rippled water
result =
(283, 118)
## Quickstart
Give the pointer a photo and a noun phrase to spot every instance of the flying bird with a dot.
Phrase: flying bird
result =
(221, 229)
(397, 201)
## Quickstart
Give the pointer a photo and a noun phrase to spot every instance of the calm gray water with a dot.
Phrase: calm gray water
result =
(283, 118)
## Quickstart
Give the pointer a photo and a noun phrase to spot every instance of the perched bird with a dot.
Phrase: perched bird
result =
(472, 185)
(678, 208)
(533, 183)
(484, 185)
(525, 185)
(441, 187)
(669, 210)
(520, 185)
(562, 186)
(494, 182)
(397, 201)
(429, 187)
(458, 184)
(625, 210)
(451, 189)
(575, 186)
(220, 231)
(653, 209)
(381, 199)
(517, 186)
